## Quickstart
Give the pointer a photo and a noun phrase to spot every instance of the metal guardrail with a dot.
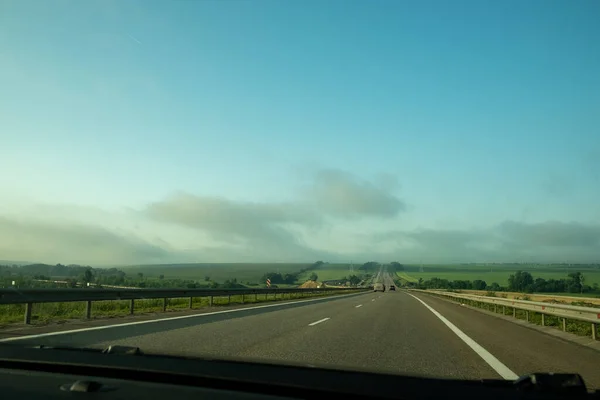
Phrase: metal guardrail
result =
(33, 296)
(566, 312)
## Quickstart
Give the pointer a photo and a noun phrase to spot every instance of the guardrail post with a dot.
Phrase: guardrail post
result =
(164, 304)
(229, 299)
(543, 319)
(514, 312)
(527, 315)
(243, 299)
(564, 324)
(210, 301)
(191, 302)
(594, 331)
(131, 306)
(28, 307)
(255, 297)
(88, 309)
(503, 310)
(495, 308)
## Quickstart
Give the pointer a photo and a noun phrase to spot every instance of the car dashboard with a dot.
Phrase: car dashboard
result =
(54, 373)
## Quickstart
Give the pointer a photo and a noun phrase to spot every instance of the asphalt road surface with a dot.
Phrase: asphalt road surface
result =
(396, 332)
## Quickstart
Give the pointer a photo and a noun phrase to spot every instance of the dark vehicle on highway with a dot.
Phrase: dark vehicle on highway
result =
(379, 287)
(392, 287)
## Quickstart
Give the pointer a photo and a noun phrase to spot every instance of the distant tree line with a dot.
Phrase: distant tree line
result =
(395, 266)
(73, 276)
(352, 279)
(439, 283)
(291, 278)
(369, 266)
(521, 281)
(277, 278)
(32, 275)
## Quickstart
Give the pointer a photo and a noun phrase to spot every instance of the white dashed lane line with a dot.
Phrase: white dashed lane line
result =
(318, 322)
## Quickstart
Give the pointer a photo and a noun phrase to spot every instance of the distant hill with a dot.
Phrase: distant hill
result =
(243, 272)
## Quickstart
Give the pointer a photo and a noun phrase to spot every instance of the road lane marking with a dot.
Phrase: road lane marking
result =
(318, 322)
(373, 300)
(360, 305)
(150, 321)
(492, 361)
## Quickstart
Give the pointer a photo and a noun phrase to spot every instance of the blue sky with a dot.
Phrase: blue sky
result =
(152, 131)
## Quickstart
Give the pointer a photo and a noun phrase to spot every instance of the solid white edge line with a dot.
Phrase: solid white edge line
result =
(360, 305)
(319, 321)
(492, 361)
(97, 328)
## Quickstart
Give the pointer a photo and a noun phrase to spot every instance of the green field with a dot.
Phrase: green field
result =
(498, 273)
(330, 272)
(253, 273)
(584, 295)
(405, 277)
(243, 272)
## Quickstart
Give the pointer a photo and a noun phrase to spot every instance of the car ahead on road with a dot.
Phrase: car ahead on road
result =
(379, 287)
(392, 287)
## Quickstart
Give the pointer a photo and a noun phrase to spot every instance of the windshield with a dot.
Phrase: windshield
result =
(280, 165)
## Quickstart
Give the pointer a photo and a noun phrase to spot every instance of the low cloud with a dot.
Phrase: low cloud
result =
(253, 229)
(508, 241)
(72, 243)
(277, 230)
(244, 236)
(558, 185)
(341, 194)
(549, 234)
(335, 220)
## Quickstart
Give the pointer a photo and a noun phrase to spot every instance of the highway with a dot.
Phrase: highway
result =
(396, 332)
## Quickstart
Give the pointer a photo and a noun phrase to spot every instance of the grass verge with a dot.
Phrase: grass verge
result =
(572, 326)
